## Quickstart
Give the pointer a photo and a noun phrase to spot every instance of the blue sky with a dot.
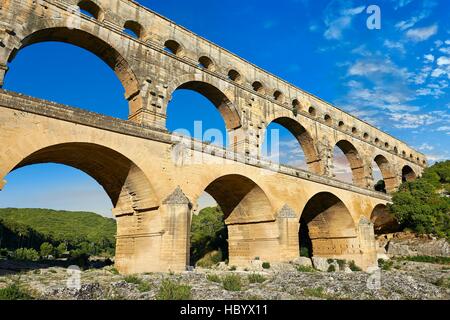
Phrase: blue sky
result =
(396, 78)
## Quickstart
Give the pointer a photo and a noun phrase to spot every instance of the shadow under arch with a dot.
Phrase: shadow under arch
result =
(210, 91)
(356, 163)
(383, 221)
(123, 181)
(304, 139)
(249, 217)
(95, 45)
(408, 174)
(331, 228)
(389, 177)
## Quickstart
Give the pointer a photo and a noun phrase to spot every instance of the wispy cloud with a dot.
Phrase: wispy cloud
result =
(338, 18)
(422, 34)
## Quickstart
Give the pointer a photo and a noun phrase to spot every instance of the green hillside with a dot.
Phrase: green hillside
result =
(29, 228)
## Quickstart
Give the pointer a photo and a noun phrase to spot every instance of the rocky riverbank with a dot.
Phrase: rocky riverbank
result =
(403, 280)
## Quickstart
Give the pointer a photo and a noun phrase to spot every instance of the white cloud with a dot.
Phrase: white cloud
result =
(443, 128)
(422, 34)
(429, 57)
(400, 3)
(395, 45)
(443, 61)
(425, 147)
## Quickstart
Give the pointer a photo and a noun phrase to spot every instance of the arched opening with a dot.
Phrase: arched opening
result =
(383, 176)
(91, 9)
(258, 87)
(126, 186)
(206, 63)
(312, 111)
(295, 107)
(56, 187)
(110, 169)
(327, 119)
(383, 221)
(366, 135)
(341, 124)
(246, 210)
(200, 110)
(354, 130)
(408, 174)
(133, 29)
(287, 142)
(64, 87)
(347, 164)
(233, 75)
(328, 228)
(172, 47)
(278, 96)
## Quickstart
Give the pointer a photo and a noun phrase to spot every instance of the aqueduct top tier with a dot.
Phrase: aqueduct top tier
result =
(163, 56)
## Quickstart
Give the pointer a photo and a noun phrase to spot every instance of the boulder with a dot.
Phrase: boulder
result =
(419, 246)
(320, 263)
(302, 261)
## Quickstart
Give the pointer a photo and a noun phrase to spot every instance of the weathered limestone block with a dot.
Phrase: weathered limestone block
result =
(302, 261)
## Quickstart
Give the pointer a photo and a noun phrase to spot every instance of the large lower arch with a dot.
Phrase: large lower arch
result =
(305, 140)
(95, 45)
(248, 213)
(389, 177)
(125, 183)
(356, 162)
(332, 230)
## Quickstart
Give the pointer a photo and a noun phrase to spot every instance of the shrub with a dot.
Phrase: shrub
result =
(266, 265)
(305, 269)
(342, 263)
(114, 271)
(385, 264)
(132, 279)
(331, 268)
(144, 286)
(315, 292)
(232, 282)
(213, 278)
(26, 254)
(256, 278)
(443, 282)
(170, 290)
(352, 265)
(210, 259)
(46, 249)
(429, 259)
(14, 292)
(330, 260)
(233, 268)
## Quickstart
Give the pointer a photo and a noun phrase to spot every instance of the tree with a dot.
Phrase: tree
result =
(47, 249)
(421, 206)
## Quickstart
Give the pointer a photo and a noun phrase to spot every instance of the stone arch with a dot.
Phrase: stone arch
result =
(382, 220)
(389, 177)
(92, 8)
(241, 199)
(408, 174)
(355, 160)
(211, 91)
(332, 230)
(305, 140)
(249, 216)
(95, 45)
(124, 182)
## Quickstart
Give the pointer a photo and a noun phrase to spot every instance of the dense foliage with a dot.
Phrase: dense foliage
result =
(423, 205)
(209, 236)
(44, 232)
